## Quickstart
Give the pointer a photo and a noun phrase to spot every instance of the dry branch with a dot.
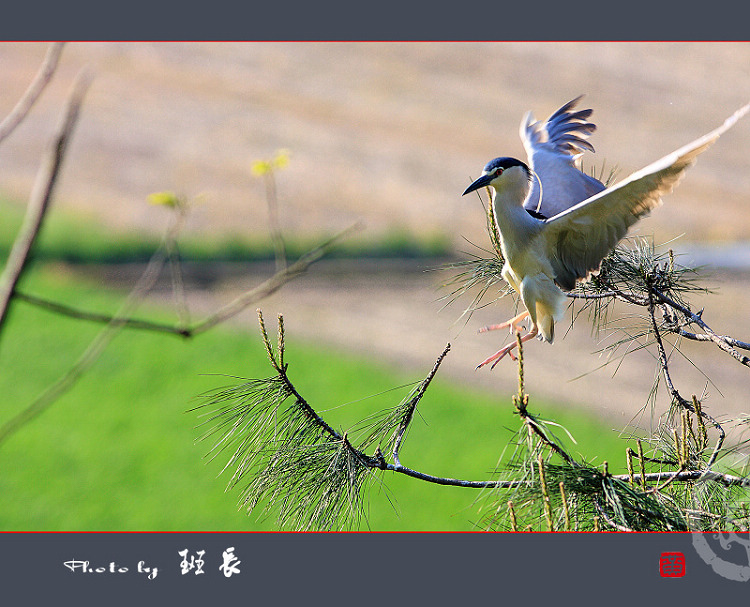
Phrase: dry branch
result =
(37, 86)
(41, 196)
(223, 314)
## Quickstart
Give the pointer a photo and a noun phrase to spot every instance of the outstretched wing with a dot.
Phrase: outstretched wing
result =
(578, 239)
(553, 148)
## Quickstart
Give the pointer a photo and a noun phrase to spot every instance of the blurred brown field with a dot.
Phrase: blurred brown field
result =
(391, 134)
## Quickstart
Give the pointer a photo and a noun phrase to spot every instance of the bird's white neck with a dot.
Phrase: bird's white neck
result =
(514, 222)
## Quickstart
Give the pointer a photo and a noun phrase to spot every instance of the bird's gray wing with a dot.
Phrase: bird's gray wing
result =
(576, 240)
(553, 147)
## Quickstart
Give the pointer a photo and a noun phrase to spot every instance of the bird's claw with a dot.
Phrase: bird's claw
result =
(514, 324)
(498, 356)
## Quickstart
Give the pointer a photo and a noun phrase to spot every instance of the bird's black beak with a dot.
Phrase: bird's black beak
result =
(481, 182)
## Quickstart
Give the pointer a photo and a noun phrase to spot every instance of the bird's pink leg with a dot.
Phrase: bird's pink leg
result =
(513, 323)
(498, 356)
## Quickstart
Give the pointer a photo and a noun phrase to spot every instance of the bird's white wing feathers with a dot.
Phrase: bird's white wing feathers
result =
(576, 240)
(553, 147)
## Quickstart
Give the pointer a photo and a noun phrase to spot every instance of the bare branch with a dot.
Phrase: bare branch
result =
(132, 323)
(723, 343)
(144, 284)
(89, 356)
(271, 285)
(27, 101)
(41, 196)
(728, 480)
(228, 311)
(438, 480)
(676, 396)
(736, 343)
(273, 220)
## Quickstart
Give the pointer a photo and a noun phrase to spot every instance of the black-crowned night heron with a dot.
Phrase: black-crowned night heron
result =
(558, 233)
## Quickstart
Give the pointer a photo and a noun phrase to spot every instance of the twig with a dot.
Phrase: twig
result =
(132, 323)
(728, 480)
(676, 396)
(41, 196)
(455, 482)
(175, 267)
(652, 477)
(731, 341)
(521, 402)
(92, 352)
(608, 520)
(281, 370)
(409, 413)
(29, 98)
(271, 285)
(721, 342)
(268, 287)
(273, 221)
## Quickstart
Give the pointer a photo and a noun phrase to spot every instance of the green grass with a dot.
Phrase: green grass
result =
(73, 239)
(118, 452)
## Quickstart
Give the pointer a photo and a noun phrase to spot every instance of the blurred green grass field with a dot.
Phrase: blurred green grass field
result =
(76, 239)
(118, 452)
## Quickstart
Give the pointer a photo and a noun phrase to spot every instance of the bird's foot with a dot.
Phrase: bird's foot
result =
(499, 355)
(514, 324)
(507, 350)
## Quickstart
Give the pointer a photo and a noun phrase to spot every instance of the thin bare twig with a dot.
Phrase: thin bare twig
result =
(721, 342)
(676, 396)
(175, 267)
(273, 221)
(271, 285)
(41, 196)
(89, 356)
(736, 343)
(608, 520)
(144, 284)
(29, 98)
(132, 323)
(252, 296)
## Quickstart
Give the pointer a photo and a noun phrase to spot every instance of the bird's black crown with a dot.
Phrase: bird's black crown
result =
(505, 163)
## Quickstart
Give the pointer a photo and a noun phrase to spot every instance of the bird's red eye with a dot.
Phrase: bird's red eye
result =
(498, 171)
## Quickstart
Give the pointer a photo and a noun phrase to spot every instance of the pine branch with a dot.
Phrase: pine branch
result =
(727, 344)
(676, 396)
(293, 461)
(411, 406)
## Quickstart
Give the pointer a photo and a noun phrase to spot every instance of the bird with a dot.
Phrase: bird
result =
(557, 223)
